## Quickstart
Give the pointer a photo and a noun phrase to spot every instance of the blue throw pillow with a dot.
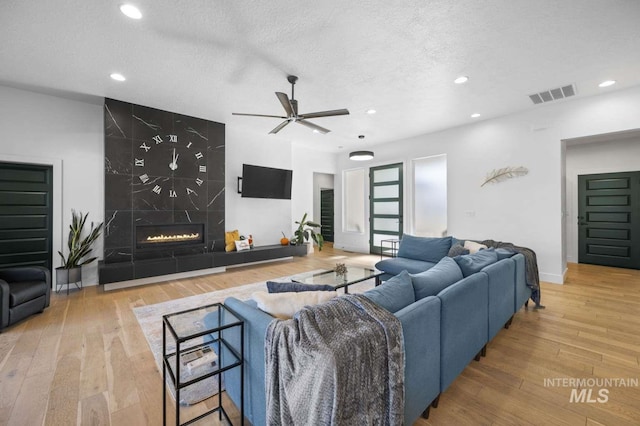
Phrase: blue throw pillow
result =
(394, 294)
(424, 248)
(471, 263)
(504, 253)
(436, 279)
(276, 287)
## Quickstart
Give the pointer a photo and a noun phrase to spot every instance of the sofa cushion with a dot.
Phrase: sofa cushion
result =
(285, 305)
(398, 264)
(471, 263)
(441, 276)
(394, 294)
(424, 248)
(24, 291)
(277, 287)
(473, 246)
(504, 253)
(457, 250)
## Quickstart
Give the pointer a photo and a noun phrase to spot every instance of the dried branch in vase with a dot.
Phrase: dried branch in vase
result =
(498, 175)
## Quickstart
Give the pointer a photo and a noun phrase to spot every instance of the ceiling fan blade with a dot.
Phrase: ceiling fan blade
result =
(325, 113)
(279, 127)
(259, 115)
(286, 103)
(314, 127)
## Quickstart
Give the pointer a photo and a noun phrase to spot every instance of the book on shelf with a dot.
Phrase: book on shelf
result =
(198, 357)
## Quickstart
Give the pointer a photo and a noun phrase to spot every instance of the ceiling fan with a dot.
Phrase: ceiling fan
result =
(291, 108)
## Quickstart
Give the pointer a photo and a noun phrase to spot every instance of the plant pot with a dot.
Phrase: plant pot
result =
(66, 276)
(309, 247)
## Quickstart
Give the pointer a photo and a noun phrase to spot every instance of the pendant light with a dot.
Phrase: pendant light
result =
(361, 155)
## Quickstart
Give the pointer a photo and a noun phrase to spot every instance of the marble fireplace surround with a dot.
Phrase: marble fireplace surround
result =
(161, 168)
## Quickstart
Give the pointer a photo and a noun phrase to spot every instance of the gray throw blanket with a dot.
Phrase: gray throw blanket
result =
(532, 276)
(337, 363)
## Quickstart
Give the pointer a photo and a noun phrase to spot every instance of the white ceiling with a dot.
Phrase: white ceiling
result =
(210, 58)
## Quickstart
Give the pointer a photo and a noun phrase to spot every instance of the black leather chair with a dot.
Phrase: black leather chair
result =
(24, 291)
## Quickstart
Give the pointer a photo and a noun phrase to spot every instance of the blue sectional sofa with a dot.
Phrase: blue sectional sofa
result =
(448, 315)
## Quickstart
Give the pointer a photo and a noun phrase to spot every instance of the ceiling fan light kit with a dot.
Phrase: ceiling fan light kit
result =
(290, 106)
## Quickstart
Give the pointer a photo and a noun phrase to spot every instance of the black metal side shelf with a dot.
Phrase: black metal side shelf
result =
(189, 332)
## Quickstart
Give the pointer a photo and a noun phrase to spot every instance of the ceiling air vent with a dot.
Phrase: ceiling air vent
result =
(553, 94)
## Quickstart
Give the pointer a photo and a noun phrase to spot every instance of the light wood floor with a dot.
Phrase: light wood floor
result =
(85, 360)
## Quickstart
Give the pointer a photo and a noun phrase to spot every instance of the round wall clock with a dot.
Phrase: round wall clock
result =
(169, 167)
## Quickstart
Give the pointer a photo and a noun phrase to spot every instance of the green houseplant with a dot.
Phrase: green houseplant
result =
(79, 246)
(306, 230)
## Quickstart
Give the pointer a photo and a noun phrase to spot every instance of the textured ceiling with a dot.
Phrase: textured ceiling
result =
(211, 58)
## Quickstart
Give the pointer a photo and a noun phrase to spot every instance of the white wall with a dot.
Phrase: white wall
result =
(527, 211)
(615, 155)
(67, 134)
(306, 163)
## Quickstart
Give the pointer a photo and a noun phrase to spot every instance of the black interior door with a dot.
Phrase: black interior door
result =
(25, 215)
(326, 214)
(609, 219)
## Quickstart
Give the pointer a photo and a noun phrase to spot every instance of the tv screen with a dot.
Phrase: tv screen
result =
(266, 182)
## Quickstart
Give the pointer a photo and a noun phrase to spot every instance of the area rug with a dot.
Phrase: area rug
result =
(150, 319)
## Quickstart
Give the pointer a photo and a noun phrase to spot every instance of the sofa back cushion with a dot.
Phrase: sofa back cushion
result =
(471, 263)
(424, 248)
(394, 294)
(433, 281)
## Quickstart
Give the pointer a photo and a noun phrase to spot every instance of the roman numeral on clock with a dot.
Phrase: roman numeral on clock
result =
(198, 155)
(157, 139)
(145, 147)
(203, 169)
(173, 138)
(172, 193)
(199, 182)
(144, 178)
(191, 191)
(157, 189)
(139, 162)
(189, 144)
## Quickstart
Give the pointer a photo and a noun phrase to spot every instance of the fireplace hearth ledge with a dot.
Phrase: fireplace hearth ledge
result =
(129, 274)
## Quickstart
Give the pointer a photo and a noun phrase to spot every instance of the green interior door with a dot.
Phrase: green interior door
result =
(326, 214)
(25, 215)
(385, 205)
(609, 219)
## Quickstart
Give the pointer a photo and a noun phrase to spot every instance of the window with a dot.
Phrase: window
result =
(430, 196)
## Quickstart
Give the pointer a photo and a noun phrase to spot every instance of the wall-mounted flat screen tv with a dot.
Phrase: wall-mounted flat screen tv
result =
(266, 182)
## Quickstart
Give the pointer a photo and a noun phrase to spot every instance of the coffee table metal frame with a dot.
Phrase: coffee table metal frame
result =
(336, 280)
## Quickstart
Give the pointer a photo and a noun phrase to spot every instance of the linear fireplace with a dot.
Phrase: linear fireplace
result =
(160, 236)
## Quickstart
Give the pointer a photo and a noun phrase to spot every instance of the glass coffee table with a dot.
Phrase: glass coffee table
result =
(355, 274)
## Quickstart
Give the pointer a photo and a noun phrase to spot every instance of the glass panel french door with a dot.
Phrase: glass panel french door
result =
(385, 205)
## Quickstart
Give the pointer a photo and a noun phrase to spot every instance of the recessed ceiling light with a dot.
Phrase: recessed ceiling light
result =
(117, 76)
(131, 11)
(316, 131)
(462, 79)
(475, 115)
(607, 83)
(371, 111)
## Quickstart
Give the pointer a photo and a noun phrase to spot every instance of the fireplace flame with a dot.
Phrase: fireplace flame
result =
(176, 237)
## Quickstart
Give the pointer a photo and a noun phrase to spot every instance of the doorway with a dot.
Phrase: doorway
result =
(326, 214)
(609, 219)
(26, 210)
(385, 205)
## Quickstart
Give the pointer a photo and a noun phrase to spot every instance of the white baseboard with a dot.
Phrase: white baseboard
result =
(154, 280)
(552, 278)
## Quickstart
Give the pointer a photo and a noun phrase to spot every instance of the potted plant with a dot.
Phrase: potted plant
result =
(306, 230)
(79, 248)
